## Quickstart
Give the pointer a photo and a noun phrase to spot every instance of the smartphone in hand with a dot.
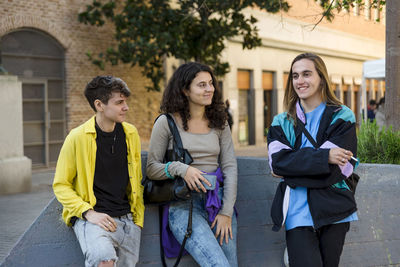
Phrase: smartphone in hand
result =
(212, 179)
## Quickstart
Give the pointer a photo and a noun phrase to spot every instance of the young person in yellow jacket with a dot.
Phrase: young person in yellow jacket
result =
(98, 178)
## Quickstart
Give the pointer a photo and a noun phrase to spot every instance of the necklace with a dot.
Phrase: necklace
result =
(105, 134)
(113, 145)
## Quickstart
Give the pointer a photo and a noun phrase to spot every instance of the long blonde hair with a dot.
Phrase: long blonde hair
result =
(290, 99)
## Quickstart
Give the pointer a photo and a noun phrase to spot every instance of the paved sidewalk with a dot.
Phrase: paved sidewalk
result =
(252, 151)
(18, 211)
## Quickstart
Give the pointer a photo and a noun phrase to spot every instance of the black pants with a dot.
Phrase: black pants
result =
(316, 248)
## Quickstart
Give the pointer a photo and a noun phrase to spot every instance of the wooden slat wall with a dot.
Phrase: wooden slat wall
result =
(267, 80)
(285, 78)
(243, 79)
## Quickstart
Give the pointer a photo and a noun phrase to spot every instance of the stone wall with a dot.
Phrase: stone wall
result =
(374, 240)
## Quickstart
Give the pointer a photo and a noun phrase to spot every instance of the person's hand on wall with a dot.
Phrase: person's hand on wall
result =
(224, 228)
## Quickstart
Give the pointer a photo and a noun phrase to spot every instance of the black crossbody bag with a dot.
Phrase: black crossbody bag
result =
(352, 180)
(164, 191)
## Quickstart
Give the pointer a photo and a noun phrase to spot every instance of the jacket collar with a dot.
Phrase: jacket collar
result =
(90, 127)
(325, 122)
(128, 129)
(300, 113)
(302, 116)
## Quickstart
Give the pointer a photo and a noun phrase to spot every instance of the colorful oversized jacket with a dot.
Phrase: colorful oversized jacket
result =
(328, 196)
(73, 180)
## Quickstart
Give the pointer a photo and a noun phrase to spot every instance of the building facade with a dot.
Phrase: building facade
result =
(255, 85)
(43, 44)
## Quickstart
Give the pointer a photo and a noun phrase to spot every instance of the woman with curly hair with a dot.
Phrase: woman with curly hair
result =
(194, 100)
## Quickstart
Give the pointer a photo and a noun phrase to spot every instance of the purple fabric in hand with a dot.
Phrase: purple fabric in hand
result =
(170, 245)
(213, 203)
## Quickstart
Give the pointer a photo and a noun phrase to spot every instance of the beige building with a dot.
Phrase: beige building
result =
(45, 46)
(255, 84)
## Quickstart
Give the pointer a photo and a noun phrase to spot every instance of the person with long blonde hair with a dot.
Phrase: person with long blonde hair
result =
(312, 148)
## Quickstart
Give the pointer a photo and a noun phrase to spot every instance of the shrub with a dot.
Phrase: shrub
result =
(377, 145)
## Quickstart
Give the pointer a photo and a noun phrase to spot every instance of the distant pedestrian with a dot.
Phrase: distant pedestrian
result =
(310, 147)
(371, 110)
(98, 178)
(380, 113)
(229, 113)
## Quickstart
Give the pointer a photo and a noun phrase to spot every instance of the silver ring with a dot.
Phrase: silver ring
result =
(109, 222)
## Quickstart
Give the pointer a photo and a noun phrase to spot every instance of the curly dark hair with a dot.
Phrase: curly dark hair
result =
(101, 88)
(174, 99)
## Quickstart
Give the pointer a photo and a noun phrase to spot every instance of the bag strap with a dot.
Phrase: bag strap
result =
(178, 143)
(352, 180)
(307, 133)
(174, 131)
(187, 235)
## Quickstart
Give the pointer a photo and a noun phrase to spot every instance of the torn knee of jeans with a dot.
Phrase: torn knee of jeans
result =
(106, 261)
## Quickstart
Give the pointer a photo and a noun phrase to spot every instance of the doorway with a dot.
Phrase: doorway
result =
(38, 61)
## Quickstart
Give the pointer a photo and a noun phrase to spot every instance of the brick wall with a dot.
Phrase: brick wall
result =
(59, 19)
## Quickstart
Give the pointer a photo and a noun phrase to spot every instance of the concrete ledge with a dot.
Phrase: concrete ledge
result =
(15, 168)
(372, 241)
(15, 175)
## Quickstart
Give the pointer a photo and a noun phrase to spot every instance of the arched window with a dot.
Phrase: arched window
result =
(38, 61)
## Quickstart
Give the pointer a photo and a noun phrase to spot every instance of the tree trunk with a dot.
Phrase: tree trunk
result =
(392, 95)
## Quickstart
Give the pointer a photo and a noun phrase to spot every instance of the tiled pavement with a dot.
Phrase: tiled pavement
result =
(18, 211)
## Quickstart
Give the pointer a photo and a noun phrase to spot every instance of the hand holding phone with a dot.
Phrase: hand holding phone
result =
(212, 178)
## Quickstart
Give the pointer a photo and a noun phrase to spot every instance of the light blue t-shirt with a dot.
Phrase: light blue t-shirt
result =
(299, 211)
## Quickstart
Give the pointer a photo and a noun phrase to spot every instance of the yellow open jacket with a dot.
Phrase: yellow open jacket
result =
(73, 180)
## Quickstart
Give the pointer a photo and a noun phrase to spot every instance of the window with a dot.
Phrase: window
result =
(270, 101)
(243, 84)
(346, 95)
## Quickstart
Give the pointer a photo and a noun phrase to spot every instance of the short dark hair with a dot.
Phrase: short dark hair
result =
(372, 102)
(101, 88)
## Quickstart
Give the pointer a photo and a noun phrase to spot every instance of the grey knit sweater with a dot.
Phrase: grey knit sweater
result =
(204, 149)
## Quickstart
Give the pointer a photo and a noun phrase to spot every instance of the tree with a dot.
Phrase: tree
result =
(146, 32)
(392, 107)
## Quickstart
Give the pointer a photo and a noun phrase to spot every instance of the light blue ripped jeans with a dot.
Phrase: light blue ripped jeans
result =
(121, 246)
(202, 245)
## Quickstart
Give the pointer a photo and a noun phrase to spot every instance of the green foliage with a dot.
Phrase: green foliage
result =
(378, 145)
(148, 31)
(330, 6)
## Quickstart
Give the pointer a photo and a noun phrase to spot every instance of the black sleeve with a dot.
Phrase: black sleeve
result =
(286, 161)
(340, 134)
